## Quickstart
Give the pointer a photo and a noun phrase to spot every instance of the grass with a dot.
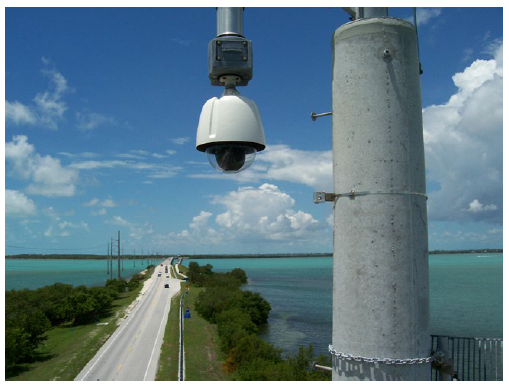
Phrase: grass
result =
(182, 269)
(169, 359)
(68, 349)
(203, 358)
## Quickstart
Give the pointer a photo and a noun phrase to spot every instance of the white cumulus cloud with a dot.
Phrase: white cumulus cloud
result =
(18, 205)
(18, 113)
(463, 144)
(266, 213)
(46, 174)
(250, 215)
(117, 220)
(477, 207)
(283, 163)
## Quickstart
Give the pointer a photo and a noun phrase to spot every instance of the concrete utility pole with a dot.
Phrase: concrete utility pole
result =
(108, 259)
(381, 287)
(118, 258)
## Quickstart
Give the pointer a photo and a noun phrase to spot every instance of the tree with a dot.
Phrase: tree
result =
(52, 301)
(260, 369)
(17, 347)
(251, 347)
(25, 326)
(232, 326)
(239, 275)
(255, 306)
(81, 305)
(214, 300)
(102, 298)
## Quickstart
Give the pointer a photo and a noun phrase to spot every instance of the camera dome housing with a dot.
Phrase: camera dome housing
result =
(230, 131)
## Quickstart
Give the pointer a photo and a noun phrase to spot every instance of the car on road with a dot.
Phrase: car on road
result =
(167, 276)
(166, 286)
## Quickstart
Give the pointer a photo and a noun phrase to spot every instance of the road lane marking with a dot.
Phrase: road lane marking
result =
(157, 337)
(113, 340)
(119, 367)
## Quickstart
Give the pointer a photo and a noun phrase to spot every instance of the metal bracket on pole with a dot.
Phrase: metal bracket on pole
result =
(315, 366)
(320, 197)
(314, 115)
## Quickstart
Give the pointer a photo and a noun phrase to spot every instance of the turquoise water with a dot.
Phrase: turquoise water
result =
(466, 292)
(466, 296)
(35, 273)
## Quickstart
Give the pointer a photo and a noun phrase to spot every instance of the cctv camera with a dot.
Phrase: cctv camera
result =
(230, 131)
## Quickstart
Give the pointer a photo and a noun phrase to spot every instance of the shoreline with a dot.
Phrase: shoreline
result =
(72, 257)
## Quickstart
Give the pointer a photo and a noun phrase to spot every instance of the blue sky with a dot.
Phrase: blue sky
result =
(102, 106)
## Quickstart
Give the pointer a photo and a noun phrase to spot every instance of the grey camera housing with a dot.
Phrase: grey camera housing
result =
(230, 55)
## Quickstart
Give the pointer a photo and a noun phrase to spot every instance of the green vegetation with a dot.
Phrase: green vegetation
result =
(238, 315)
(169, 359)
(202, 352)
(51, 332)
(279, 255)
(481, 251)
(218, 256)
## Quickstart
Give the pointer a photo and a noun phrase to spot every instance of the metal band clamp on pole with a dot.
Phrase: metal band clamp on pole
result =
(320, 196)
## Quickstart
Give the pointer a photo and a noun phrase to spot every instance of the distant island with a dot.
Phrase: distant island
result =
(220, 256)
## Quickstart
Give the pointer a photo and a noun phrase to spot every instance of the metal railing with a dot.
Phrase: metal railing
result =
(473, 359)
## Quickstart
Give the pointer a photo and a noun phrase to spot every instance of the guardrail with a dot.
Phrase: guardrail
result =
(473, 359)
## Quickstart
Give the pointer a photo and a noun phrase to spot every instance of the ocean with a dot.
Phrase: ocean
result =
(466, 292)
(466, 296)
(35, 273)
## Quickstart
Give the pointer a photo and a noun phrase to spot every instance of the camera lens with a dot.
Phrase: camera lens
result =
(231, 158)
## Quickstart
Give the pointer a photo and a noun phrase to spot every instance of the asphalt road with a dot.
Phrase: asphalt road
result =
(132, 351)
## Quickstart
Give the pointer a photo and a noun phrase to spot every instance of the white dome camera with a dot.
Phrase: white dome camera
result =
(230, 132)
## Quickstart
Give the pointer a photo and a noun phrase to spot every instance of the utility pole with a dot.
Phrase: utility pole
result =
(381, 285)
(108, 259)
(123, 257)
(134, 258)
(118, 258)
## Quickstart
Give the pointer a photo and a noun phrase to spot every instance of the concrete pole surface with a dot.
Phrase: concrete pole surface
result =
(381, 287)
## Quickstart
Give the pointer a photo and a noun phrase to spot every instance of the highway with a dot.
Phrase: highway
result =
(132, 351)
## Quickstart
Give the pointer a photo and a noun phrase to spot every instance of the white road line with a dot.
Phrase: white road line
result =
(111, 343)
(157, 337)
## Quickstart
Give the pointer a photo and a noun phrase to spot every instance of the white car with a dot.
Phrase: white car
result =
(167, 276)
